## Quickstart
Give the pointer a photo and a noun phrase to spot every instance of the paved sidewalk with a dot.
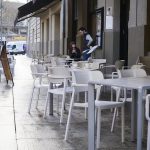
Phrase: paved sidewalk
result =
(21, 131)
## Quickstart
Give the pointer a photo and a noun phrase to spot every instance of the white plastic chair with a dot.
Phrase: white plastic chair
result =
(147, 113)
(58, 75)
(38, 73)
(94, 76)
(109, 69)
(123, 74)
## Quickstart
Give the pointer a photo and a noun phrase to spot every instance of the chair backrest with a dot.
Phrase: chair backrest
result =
(84, 76)
(58, 74)
(81, 64)
(139, 73)
(145, 60)
(119, 64)
(80, 76)
(123, 73)
(95, 75)
(59, 71)
(137, 66)
(131, 73)
(53, 61)
(36, 69)
(147, 105)
(40, 68)
(60, 61)
(100, 61)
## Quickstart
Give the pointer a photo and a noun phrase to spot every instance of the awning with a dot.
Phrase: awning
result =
(30, 9)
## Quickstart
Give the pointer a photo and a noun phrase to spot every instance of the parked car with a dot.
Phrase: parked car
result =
(16, 47)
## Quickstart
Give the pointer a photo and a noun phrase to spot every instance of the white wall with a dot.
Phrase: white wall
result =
(33, 38)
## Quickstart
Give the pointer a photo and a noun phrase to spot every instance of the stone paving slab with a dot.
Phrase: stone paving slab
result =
(7, 144)
(7, 132)
(43, 144)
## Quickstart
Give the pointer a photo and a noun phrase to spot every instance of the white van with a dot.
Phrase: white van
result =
(16, 47)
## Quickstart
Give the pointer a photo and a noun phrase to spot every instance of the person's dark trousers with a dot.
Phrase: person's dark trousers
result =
(85, 56)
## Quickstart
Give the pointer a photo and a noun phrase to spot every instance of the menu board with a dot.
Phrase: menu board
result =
(5, 65)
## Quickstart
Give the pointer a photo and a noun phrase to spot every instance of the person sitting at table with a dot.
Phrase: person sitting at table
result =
(74, 51)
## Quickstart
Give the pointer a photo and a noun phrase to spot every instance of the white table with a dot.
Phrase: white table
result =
(138, 84)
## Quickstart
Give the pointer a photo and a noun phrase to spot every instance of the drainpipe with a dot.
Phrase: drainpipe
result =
(1, 24)
(63, 25)
(66, 25)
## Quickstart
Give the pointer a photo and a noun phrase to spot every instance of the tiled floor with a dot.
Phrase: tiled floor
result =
(21, 131)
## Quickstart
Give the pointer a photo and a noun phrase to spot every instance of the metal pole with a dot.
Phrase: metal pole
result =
(1, 24)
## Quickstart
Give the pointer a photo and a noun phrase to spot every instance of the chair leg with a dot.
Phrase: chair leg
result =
(96, 111)
(39, 91)
(143, 118)
(113, 122)
(86, 109)
(58, 105)
(122, 124)
(148, 137)
(62, 107)
(111, 98)
(78, 95)
(31, 99)
(98, 128)
(69, 116)
(46, 105)
(116, 110)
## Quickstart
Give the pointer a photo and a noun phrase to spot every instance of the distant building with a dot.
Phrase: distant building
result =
(9, 13)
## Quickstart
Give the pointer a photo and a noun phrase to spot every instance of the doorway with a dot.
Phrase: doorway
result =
(124, 18)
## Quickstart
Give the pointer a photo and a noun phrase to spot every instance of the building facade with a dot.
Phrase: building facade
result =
(120, 27)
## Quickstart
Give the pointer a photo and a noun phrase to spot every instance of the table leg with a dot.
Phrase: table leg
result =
(91, 118)
(139, 119)
(133, 116)
(51, 101)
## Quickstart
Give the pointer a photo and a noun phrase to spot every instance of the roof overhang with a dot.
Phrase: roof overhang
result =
(32, 8)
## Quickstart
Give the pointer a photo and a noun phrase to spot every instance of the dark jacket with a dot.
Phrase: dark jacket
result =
(75, 55)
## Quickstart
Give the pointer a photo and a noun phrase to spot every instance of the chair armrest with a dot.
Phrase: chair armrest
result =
(40, 74)
(108, 66)
(79, 85)
(147, 107)
(115, 75)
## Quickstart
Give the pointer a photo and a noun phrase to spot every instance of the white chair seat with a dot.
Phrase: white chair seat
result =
(101, 104)
(80, 105)
(127, 99)
(60, 91)
(108, 104)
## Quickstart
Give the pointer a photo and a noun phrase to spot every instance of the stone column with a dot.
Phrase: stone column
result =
(139, 30)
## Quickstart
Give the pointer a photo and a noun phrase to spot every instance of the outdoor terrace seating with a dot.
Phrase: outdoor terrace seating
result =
(81, 79)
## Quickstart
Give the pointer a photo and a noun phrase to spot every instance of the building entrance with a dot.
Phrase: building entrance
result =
(124, 18)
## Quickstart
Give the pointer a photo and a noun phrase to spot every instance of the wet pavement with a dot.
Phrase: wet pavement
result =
(21, 131)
